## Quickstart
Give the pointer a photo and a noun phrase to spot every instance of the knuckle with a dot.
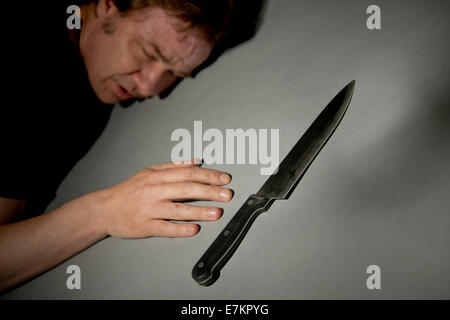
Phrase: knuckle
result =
(150, 192)
(160, 229)
(137, 220)
(179, 211)
(217, 176)
(149, 189)
(209, 192)
(150, 172)
(188, 173)
(183, 188)
(172, 230)
(146, 173)
(178, 206)
(153, 166)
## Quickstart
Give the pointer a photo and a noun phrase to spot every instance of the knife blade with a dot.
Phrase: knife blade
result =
(277, 187)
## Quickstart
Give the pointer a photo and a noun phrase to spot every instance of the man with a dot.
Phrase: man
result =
(125, 50)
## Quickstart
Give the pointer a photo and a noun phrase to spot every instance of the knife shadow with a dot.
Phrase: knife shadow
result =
(415, 160)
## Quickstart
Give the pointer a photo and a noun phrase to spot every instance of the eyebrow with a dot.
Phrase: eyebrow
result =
(160, 54)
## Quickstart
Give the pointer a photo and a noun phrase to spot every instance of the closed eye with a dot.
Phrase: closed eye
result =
(148, 56)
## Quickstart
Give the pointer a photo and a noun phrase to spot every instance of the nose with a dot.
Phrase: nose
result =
(149, 80)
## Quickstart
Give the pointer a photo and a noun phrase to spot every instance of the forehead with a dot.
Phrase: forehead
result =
(157, 27)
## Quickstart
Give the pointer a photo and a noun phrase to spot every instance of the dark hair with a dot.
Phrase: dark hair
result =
(233, 20)
(227, 23)
(209, 16)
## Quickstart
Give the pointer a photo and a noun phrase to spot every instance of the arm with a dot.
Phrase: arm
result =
(136, 208)
(33, 246)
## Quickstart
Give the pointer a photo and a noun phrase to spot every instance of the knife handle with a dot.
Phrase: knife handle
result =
(207, 270)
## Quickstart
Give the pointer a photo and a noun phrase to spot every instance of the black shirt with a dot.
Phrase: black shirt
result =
(50, 116)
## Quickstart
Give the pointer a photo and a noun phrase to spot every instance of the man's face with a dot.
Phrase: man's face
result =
(139, 56)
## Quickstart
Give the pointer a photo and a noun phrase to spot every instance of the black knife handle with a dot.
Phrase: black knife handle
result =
(207, 270)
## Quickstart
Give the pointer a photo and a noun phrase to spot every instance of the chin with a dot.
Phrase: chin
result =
(107, 97)
(109, 100)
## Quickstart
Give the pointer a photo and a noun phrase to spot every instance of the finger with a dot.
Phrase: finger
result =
(178, 164)
(161, 228)
(195, 174)
(193, 191)
(186, 212)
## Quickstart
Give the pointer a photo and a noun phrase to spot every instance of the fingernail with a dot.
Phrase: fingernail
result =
(224, 178)
(190, 229)
(212, 214)
(224, 194)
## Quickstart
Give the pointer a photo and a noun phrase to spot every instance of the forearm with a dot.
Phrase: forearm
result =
(32, 246)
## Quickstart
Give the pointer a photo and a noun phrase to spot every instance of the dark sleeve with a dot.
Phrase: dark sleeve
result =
(27, 169)
(43, 143)
(52, 117)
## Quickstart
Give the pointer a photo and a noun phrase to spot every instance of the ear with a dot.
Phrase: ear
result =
(106, 9)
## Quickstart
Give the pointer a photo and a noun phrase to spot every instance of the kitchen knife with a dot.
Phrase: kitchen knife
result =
(277, 187)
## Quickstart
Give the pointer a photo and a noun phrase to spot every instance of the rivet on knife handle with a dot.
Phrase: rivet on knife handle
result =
(207, 270)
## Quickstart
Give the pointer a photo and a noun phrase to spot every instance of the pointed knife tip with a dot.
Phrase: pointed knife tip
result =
(350, 87)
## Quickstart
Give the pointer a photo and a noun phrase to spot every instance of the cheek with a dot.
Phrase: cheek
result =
(205, 52)
(109, 55)
(97, 61)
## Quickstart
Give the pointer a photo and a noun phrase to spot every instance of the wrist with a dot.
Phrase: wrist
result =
(91, 205)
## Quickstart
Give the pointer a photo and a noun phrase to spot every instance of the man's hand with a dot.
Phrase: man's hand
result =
(136, 208)
(142, 205)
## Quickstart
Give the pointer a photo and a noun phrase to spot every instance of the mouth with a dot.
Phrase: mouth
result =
(121, 92)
